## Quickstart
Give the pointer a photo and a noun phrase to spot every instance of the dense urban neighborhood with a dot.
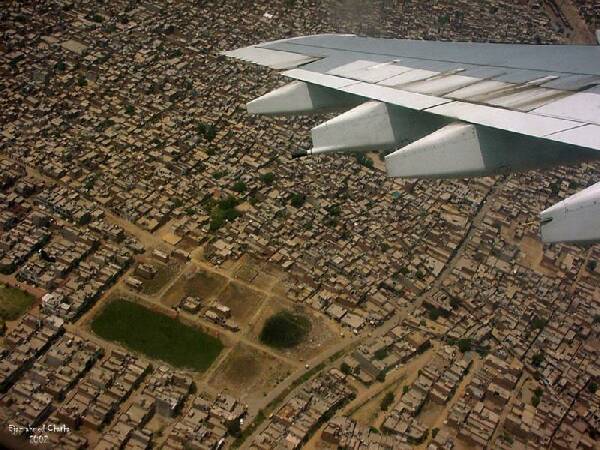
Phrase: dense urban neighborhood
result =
(171, 278)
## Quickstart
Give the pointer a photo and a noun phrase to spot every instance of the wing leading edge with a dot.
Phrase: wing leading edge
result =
(447, 109)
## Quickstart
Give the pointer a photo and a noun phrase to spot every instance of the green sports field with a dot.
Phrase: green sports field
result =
(13, 302)
(156, 335)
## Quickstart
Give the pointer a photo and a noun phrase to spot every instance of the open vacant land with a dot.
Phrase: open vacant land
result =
(164, 274)
(198, 284)
(13, 302)
(243, 301)
(156, 335)
(260, 274)
(249, 374)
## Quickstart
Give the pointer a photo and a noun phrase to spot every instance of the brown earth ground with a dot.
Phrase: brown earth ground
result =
(199, 283)
(164, 275)
(242, 301)
(322, 335)
(249, 374)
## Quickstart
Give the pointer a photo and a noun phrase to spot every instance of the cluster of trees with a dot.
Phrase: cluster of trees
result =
(223, 211)
(382, 353)
(208, 131)
(364, 160)
(464, 345)
(537, 359)
(267, 178)
(537, 396)
(387, 401)
(239, 187)
(297, 199)
(435, 313)
(94, 17)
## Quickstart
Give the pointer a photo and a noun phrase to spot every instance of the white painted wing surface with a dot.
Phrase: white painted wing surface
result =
(445, 109)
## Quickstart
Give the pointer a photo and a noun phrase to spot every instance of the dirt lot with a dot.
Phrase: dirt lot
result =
(532, 254)
(262, 275)
(322, 335)
(243, 302)
(197, 284)
(249, 374)
(164, 275)
(247, 269)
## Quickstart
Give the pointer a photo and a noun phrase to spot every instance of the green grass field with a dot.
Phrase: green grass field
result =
(284, 330)
(14, 302)
(156, 335)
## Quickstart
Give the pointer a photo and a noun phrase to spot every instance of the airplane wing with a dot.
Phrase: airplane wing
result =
(447, 109)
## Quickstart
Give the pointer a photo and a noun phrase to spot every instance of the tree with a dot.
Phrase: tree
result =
(81, 81)
(380, 376)
(464, 345)
(591, 265)
(297, 199)
(381, 354)
(434, 432)
(208, 131)
(239, 186)
(223, 211)
(234, 428)
(216, 222)
(228, 203)
(537, 359)
(434, 314)
(442, 21)
(405, 390)
(267, 178)
(211, 133)
(538, 323)
(129, 109)
(387, 401)
(346, 369)
(535, 401)
(364, 160)
(592, 387)
(334, 211)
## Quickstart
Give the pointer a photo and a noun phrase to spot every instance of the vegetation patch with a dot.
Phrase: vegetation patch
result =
(156, 335)
(222, 211)
(387, 401)
(14, 302)
(284, 330)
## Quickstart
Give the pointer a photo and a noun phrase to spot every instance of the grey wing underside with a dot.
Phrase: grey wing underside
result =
(447, 109)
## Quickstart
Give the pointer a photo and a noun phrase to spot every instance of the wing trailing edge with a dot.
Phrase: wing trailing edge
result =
(447, 110)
